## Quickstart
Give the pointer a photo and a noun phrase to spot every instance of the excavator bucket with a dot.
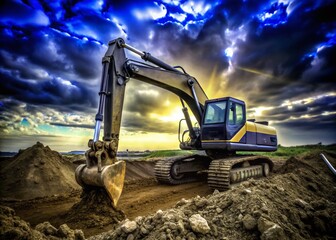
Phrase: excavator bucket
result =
(111, 177)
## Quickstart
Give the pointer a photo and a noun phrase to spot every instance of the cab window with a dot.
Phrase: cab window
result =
(236, 115)
(215, 112)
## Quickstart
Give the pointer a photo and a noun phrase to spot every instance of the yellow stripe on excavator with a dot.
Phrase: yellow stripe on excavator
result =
(248, 127)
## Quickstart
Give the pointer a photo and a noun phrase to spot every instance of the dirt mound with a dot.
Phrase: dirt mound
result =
(37, 172)
(139, 170)
(12, 227)
(94, 209)
(299, 203)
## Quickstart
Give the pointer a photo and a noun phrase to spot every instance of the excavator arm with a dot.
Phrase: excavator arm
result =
(102, 169)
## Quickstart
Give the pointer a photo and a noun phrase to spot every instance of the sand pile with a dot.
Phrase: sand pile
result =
(298, 203)
(36, 172)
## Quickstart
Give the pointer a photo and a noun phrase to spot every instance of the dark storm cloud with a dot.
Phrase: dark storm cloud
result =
(56, 65)
(289, 52)
(53, 51)
(12, 12)
(56, 92)
(314, 108)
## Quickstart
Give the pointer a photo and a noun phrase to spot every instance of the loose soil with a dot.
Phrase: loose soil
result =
(298, 201)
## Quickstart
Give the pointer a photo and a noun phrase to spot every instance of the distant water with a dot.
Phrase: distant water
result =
(7, 154)
(122, 154)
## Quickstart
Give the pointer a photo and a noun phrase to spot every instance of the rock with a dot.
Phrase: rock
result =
(65, 232)
(182, 202)
(46, 228)
(170, 215)
(264, 208)
(138, 219)
(181, 227)
(130, 237)
(226, 204)
(172, 226)
(129, 226)
(201, 202)
(264, 224)
(163, 236)
(144, 231)
(79, 235)
(215, 192)
(257, 214)
(247, 191)
(274, 233)
(219, 210)
(299, 202)
(199, 224)
(249, 222)
(158, 215)
(191, 236)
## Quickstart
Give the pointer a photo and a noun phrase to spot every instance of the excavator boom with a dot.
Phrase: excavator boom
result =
(102, 169)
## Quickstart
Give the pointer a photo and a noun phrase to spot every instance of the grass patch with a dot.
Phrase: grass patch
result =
(294, 151)
(282, 152)
(170, 153)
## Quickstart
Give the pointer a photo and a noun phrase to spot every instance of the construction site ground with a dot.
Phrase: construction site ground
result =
(298, 198)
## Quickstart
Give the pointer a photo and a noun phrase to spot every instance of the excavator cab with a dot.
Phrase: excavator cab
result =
(225, 127)
(223, 118)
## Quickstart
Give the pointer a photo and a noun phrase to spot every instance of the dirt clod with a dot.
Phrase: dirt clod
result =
(274, 233)
(46, 228)
(249, 222)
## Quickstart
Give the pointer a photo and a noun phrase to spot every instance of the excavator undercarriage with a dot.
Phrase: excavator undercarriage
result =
(221, 173)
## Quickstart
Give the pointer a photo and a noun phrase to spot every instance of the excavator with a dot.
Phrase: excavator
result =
(221, 130)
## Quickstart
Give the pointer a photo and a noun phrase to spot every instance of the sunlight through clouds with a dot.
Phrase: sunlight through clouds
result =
(276, 55)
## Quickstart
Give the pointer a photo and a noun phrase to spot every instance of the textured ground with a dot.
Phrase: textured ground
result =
(297, 202)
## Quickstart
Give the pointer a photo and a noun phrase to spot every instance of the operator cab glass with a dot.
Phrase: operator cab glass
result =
(215, 113)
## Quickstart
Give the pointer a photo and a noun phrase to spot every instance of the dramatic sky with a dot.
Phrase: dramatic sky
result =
(277, 56)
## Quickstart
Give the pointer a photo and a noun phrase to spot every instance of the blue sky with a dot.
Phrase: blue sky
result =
(277, 56)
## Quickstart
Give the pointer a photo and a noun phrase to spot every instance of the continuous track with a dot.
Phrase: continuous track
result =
(222, 173)
(225, 172)
(164, 171)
